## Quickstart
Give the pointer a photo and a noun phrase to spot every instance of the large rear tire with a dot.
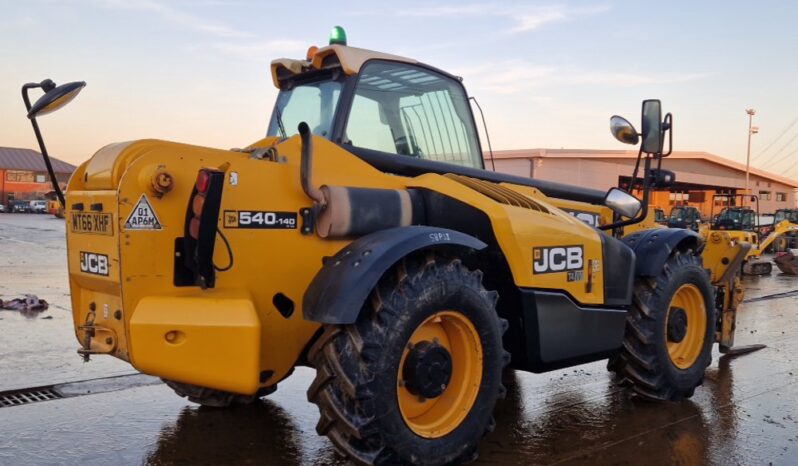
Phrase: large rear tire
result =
(416, 378)
(670, 330)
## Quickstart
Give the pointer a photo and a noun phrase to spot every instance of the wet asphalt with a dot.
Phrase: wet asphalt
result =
(745, 413)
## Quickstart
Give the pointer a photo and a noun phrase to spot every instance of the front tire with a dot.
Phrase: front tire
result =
(416, 378)
(670, 330)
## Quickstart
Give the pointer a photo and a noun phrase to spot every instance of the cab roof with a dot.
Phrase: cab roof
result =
(349, 59)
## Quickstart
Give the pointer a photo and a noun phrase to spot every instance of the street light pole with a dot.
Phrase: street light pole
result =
(751, 112)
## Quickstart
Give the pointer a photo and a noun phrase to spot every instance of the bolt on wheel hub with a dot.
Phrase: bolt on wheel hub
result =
(427, 370)
(439, 374)
(685, 326)
(677, 324)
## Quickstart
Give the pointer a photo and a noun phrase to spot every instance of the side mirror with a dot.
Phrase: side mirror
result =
(652, 127)
(55, 98)
(623, 131)
(622, 202)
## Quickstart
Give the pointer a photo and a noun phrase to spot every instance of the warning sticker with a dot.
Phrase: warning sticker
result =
(143, 217)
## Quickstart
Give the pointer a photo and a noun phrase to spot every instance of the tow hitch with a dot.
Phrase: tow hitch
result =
(95, 339)
(88, 330)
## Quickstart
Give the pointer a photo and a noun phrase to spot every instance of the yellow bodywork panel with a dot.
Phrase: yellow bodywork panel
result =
(757, 246)
(520, 231)
(133, 303)
(211, 341)
(723, 256)
(737, 236)
(781, 228)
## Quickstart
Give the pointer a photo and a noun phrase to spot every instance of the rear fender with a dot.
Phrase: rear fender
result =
(338, 291)
(653, 247)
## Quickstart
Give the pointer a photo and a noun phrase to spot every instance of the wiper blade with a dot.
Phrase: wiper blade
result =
(280, 123)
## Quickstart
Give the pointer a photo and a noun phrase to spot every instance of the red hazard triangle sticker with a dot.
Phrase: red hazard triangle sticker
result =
(143, 217)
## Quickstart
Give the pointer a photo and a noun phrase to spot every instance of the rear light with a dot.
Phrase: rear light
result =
(202, 218)
(194, 227)
(197, 204)
(203, 181)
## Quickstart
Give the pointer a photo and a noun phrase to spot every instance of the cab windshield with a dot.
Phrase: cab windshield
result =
(791, 215)
(680, 213)
(728, 214)
(396, 108)
(414, 112)
(743, 218)
(313, 102)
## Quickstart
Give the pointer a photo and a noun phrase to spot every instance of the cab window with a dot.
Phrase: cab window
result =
(414, 112)
(748, 219)
(313, 102)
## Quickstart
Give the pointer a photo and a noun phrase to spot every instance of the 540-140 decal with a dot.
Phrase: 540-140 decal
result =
(260, 219)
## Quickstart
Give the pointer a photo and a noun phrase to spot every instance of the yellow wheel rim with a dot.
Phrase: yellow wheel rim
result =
(684, 353)
(436, 417)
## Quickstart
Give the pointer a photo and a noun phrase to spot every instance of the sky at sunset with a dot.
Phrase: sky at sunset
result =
(547, 74)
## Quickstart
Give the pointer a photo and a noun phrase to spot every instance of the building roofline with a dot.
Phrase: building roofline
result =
(628, 154)
(24, 159)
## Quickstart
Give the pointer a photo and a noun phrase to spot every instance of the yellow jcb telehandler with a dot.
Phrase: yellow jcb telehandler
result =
(741, 223)
(364, 238)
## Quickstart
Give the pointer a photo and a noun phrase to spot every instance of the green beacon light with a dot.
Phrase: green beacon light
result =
(337, 36)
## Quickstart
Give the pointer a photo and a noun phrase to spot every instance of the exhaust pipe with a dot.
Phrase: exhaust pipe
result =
(344, 211)
(306, 166)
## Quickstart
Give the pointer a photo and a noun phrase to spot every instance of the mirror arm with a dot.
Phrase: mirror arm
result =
(644, 208)
(667, 125)
(25, 90)
(40, 140)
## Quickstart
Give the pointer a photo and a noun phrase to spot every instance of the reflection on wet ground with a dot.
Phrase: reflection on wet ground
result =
(241, 433)
(744, 414)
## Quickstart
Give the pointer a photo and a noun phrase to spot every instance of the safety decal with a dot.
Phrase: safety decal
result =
(576, 275)
(259, 219)
(591, 218)
(558, 259)
(143, 217)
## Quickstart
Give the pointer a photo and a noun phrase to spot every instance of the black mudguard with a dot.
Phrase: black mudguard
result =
(653, 247)
(338, 291)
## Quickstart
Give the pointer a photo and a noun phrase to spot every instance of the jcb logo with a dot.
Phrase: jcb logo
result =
(557, 259)
(96, 264)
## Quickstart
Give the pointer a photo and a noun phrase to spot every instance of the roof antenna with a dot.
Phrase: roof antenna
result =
(487, 136)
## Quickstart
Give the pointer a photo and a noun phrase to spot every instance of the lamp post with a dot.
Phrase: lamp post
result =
(751, 130)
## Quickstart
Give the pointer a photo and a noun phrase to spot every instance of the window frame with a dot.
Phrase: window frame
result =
(347, 97)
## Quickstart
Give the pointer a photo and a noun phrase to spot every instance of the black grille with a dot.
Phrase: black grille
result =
(26, 396)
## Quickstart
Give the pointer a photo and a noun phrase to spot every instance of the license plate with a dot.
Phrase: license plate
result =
(93, 223)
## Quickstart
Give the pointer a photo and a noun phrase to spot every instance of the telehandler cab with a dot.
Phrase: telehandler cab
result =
(364, 238)
(787, 221)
